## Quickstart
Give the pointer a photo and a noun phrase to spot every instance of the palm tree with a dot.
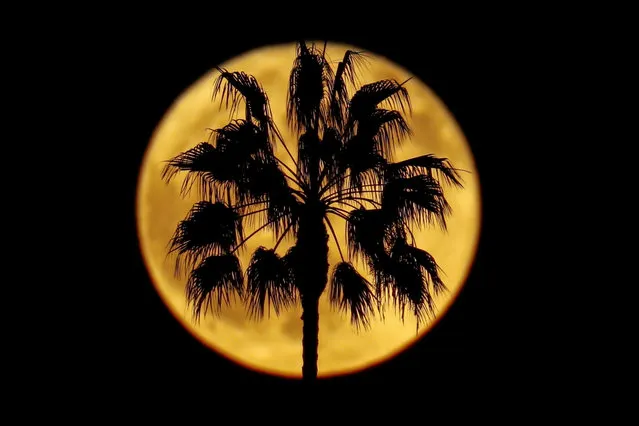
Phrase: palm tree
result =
(343, 168)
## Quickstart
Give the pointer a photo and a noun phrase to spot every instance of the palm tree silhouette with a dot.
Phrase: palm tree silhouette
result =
(343, 168)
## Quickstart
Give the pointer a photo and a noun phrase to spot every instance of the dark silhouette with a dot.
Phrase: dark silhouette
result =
(343, 168)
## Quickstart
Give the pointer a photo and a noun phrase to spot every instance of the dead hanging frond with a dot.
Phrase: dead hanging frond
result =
(308, 156)
(310, 80)
(209, 229)
(270, 283)
(351, 292)
(440, 168)
(213, 284)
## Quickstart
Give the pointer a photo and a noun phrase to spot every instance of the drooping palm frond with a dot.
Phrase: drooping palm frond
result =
(215, 169)
(352, 292)
(308, 157)
(428, 164)
(361, 161)
(365, 153)
(214, 283)
(203, 168)
(386, 128)
(245, 147)
(311, 78)
(368, 233)
(265, 181)
(409, 285)
(418, 199)
(242, 163)
(242, 139)
(237, 85)
(270, 280)
(368, 97)
(209, 229)
(425, 260)
(346, 72)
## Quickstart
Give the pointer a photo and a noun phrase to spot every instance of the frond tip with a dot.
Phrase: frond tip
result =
(351, 291)
(407, 276)
(213, 284)
(269, 279)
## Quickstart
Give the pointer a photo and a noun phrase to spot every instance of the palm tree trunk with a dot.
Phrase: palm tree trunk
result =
(312, 276)
(310, 338)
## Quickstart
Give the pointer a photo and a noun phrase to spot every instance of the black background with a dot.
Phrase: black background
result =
(495, 344)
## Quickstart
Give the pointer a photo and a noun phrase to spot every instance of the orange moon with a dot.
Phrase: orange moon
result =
(274, 345)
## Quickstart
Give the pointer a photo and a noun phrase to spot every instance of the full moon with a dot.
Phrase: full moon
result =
(274, 344)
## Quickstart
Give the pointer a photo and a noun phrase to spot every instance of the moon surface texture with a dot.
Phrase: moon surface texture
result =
(274, 344)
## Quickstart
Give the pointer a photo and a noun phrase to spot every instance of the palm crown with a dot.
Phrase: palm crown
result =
(343, 168)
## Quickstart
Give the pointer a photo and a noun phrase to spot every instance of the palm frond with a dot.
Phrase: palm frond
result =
(429, 266)
(408, 282)
(209, 229)
(235, 86)
(386, 128)
(352, 292)
(368, 97)
(265, 181)
(218, 168)
(419, 199)
(245, 149)
(311, 78)
(203, 167)
(269, 281)
(213, 284)
(197, 159)
(308, 156)
(368, 233)
(242, 139)
(241, 164)
(362, 161)
(428, 164)
(346, 72)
